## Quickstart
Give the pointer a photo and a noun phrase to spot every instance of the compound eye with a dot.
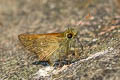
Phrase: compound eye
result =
(69, 35)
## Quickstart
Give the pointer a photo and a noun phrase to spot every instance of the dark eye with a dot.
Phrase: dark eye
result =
(69, 35)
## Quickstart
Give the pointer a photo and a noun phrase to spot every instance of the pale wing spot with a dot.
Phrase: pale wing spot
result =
(42, 49)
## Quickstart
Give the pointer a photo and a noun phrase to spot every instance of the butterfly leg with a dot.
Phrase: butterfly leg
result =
(78, 49)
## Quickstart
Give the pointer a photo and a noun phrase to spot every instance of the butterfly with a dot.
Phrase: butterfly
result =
(51, 46)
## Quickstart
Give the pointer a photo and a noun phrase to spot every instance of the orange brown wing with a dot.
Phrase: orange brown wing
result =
(42, 44)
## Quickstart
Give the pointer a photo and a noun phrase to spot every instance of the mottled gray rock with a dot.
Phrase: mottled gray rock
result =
(98, 23)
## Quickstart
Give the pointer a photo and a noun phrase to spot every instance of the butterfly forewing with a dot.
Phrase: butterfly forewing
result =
(43, 45)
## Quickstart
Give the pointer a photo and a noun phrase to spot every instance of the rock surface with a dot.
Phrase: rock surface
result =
(98, 23)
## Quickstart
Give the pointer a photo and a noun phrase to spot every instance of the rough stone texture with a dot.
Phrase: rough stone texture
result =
(98, 23)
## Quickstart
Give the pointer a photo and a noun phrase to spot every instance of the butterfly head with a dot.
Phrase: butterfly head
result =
(70, 33)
